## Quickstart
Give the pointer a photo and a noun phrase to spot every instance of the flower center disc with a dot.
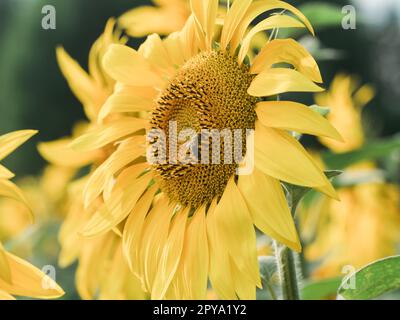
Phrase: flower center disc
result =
(209, 92)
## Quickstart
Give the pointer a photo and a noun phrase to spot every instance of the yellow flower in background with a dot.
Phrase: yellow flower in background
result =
(184, 224)
(164, 18)
(18, 277)
(46, 196)
(346, 102)
(97, 274)
(364, 226)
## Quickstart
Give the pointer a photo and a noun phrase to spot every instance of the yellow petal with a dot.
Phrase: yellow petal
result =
(245, 289)
(5, 271)
(212, 12)
(170, 256)
(128, 151)
(62, 154)
(220, 265)
(287, 51)
(177, 288)
(29, 281)
(198, 8)
(188, 39)
(105, 134)
(77, 216)
(11, 141)
(232, 20)
(259, 7)
(5, 296)
(363, 96)
(173, 45)
(191, 278)
(195, 258)
(145, 20)
(127, 66)
(114, 286)
(69, 237)
(129, 99)
(237, 231)
(205, 13)
(110, 35)
(94, 265)
(279, 155)
(154, 51)
(280, 80)
(129, 188)
(267, 204)
(134, 225)
(154, 237)
(297, 117)
(80, 82)
(275, 21)
(10, 190)
(5, 173)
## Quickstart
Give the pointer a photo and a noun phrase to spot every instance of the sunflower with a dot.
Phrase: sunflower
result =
(18, 277)
(184, 223)
(364, 226)
(45, 195)
(100, 272)
(164, 18)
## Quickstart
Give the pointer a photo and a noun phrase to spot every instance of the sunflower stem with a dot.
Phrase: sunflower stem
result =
(287, 262)
(288, 272)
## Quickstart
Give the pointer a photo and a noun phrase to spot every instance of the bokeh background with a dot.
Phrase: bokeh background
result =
(34, 94)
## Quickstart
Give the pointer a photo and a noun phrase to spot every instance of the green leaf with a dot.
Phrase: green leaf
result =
(322, 15)
(374, 280)
(296, 193)
(371, 151)
(320, 290)
(323, 111)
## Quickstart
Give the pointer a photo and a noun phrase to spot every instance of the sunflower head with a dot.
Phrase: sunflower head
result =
(209, 92)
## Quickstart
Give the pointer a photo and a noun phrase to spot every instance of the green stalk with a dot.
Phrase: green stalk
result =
(288, 272)
(287, 263)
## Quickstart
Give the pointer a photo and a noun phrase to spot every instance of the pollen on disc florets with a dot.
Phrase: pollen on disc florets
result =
(208, 92)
